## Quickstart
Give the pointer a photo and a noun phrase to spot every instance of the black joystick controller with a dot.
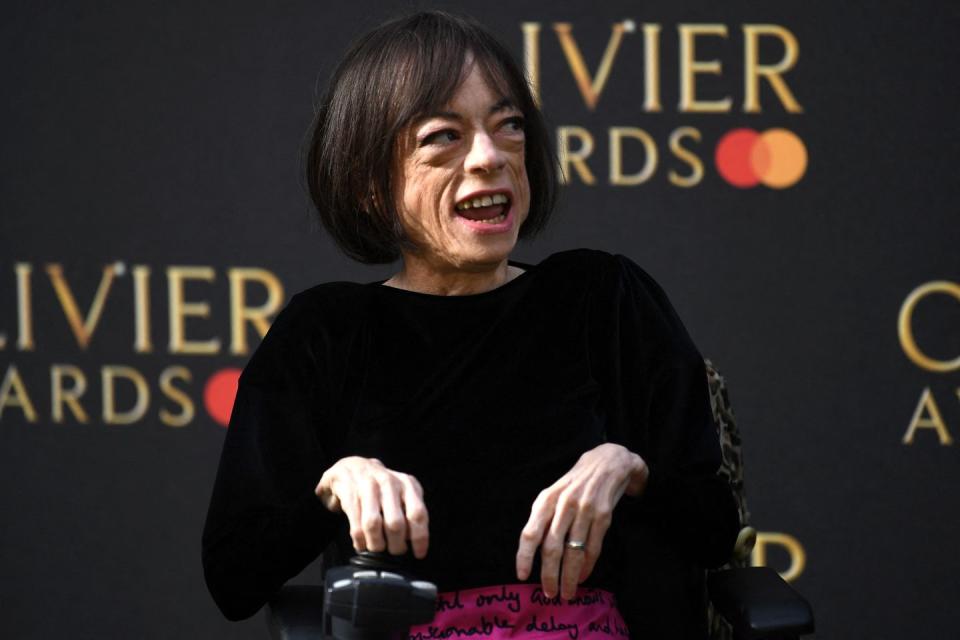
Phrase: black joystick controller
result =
(372, 599)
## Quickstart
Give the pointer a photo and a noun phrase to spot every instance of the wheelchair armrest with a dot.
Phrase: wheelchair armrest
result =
(296, 613)
(758, 603)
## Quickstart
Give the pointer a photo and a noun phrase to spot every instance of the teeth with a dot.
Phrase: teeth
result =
(500, 218)
(484, 201)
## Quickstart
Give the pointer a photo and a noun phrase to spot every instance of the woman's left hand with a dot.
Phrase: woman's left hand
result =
(578, 507)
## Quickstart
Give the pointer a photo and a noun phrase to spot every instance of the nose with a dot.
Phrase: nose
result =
(483, 156)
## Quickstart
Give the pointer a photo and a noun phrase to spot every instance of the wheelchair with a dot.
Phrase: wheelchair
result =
(368, 600)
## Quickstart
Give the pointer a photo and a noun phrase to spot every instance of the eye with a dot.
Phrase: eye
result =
(514, 124)
(443, 136)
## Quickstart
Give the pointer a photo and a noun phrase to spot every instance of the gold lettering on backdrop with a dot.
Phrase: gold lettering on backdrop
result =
(59, 395)
(13, 393)
(772, 73)
(179, 309)
(82, 328)
(651, 68)
(141, 309)
(578, 158)
(108, 376)
(617, 176)
(690, 67)
(927, 416)
(687, 156)
(590, 88)
(240, 313)
(531, 57)
(905, 326)
(796, 552)
(187, 411)
(24, 307)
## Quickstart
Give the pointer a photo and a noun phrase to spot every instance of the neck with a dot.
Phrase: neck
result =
(448, 280)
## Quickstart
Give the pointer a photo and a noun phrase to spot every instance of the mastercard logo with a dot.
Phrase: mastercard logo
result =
(776, 158)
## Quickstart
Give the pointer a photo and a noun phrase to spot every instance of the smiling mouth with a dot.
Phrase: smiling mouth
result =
(490, 209)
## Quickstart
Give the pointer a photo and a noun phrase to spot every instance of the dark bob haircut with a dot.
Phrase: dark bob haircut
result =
(391, 76)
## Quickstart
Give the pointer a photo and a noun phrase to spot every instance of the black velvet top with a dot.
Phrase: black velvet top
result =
(486, 399)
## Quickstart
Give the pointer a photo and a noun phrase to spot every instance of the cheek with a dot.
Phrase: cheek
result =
(424, 197)
(519, 165)
(524, 185)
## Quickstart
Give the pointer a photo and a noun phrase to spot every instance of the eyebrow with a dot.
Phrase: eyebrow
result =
(504, 104)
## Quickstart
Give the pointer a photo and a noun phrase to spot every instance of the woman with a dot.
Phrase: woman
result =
(504, 424)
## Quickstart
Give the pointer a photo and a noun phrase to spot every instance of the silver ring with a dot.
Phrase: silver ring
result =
(576, 545)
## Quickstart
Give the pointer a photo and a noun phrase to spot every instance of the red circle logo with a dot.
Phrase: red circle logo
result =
(219, 394)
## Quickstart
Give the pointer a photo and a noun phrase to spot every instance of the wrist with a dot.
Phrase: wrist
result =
(638, 478)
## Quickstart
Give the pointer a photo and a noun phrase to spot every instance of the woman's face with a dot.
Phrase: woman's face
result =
(462, 190)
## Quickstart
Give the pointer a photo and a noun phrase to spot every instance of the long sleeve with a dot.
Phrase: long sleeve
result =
(265, 524)
(658, 404)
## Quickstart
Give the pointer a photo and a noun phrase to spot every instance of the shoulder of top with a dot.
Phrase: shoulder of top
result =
(329, 293)
(617, 278)
(579, 256)
(583, 261)
(593, 256)
(321, 314)
(326, 303)
(604, 264)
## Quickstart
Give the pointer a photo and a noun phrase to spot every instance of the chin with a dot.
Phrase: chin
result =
(490, 254)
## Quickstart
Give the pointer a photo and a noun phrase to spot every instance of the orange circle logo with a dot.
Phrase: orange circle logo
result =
(219, 394)
(776, 158)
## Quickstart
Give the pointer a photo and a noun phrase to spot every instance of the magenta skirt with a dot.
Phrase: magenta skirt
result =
(522, 611)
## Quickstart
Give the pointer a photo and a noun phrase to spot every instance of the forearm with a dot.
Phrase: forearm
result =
(246, 559)
(698, 510)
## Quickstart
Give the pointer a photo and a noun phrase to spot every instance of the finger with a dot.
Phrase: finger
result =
(350, 503)
(598, 530)
(417, 517)
(551, 551)
(371, 519)
(324, 491)
(394, 521)
(532, 534)
(574, 559)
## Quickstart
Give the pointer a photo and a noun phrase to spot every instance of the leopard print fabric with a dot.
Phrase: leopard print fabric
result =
(732, 469)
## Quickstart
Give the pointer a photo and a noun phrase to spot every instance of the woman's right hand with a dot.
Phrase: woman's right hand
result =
(385, 507)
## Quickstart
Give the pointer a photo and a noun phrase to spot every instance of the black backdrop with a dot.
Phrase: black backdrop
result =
(156, 136)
